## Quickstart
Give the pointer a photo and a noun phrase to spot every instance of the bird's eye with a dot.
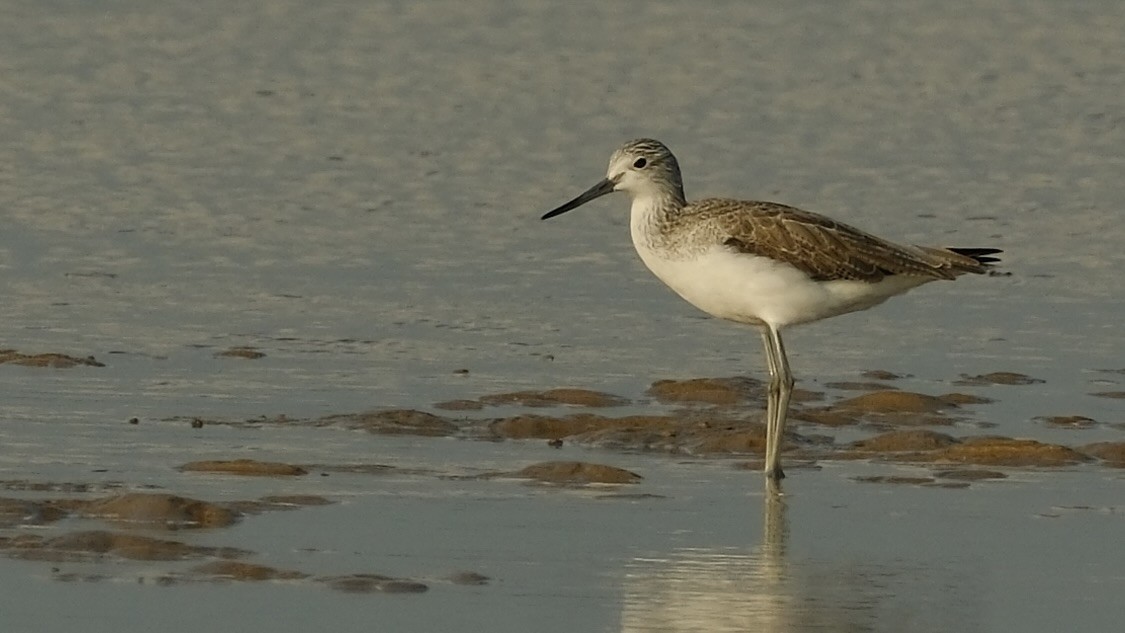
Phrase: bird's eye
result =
(640, 163)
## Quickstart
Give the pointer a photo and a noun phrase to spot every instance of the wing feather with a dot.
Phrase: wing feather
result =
(819, 246)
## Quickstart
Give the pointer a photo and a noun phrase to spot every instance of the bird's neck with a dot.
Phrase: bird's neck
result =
(652, 214)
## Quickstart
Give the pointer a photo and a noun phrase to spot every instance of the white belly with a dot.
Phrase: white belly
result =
(758, 290)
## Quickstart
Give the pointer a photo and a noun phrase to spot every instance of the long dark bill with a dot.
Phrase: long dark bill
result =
(597, 191)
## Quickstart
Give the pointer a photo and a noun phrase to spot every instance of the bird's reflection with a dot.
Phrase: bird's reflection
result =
(762, 589)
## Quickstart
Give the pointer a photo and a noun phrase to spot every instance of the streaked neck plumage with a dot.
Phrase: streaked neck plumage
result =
(653, 211)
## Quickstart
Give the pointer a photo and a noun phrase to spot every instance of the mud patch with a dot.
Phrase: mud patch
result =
(373, 583)
(1005, 451)
(468, 578)
(59, 486)
(928, 482)
(247, 467)
(1068, 421)
(997, 378)
(28, 512)
(904, 441)
(99, 544)
(885, 408)
(250, 353)
(240, 571)
(965, 398)
(294, 501)
(695, 432)
(54, 360)
(894, 479)
(716, 391)
(550, 428)
(554, 398)
(369, 469)
(146, 510)
(459, 405)
(393, 422)
(827, 416)
(927, 446)
(970, 474)
(275, 503)
(160, 510)
(882, 374)
(1112, 453)
(859, 386)
(577, 473)
(894, 402)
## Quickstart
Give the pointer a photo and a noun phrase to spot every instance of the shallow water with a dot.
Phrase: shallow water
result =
(354, 191)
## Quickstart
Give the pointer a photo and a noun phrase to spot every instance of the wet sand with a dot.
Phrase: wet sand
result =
(578, 456)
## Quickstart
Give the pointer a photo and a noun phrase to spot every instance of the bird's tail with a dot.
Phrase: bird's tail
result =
(981, 255)
(964, 260)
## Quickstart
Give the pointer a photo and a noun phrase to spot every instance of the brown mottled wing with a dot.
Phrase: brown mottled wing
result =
(821, 247)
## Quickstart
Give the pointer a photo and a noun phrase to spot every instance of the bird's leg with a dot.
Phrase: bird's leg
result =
(768, 342)
(772, 392)
(777, 404)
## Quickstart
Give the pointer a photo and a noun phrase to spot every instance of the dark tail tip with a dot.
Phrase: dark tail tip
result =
(981, 255)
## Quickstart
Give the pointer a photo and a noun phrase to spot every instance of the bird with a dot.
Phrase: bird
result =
(763, 264)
